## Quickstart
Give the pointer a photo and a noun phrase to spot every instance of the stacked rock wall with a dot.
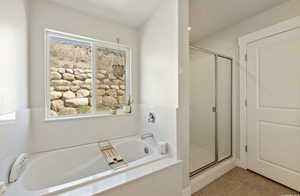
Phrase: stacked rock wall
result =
(110, 77)
(71, 78)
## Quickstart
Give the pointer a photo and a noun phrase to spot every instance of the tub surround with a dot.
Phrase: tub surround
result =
(105, 185)
(68, 171)
(160, 173)
(15, 134)
(79, 131)
(164, 129)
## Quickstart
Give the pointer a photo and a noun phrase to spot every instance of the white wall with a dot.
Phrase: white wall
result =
(159, 72)
(226, 42)
(13, 81)
(58, 134)
(159, 57)
(13, 34)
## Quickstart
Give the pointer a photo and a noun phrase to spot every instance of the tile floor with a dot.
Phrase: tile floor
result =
(240, 182)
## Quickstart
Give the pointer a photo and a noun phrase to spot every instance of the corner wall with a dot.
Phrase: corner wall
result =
(159, 52)
(183, 124)
(13, 81)
(159, 72)
(13, 39)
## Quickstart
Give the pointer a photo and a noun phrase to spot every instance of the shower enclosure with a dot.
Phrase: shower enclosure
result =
(210, 109)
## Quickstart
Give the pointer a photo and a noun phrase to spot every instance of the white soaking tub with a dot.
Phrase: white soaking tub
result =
(50, 173)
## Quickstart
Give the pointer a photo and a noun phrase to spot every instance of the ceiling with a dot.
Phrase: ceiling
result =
(210, 16)
(128, 12)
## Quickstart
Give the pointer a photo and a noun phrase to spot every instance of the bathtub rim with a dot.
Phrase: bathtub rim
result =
(139, 172)
(97, 177)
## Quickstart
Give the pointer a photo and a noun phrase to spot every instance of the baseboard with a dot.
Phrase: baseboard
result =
(211, 174)
(240, 164)
(187, 191)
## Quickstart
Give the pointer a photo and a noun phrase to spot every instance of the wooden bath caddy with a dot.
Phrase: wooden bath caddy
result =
(111, 155)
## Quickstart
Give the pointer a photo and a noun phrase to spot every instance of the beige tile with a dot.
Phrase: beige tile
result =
(240, 182)
(227, 187)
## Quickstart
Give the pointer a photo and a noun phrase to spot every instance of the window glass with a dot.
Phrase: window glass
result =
(86, 77)
(8, 117)
(110, 78)
(70, 77)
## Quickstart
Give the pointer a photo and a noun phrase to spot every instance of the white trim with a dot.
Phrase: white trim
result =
(99, 115)
(211, 174)
(94, 75)
(240, 164)
(187, 191)
(87, 39)
(244, 41)
(243, 108)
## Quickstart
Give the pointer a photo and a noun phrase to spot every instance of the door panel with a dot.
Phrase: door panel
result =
(279, 74)
(272, 133)
(273, 112)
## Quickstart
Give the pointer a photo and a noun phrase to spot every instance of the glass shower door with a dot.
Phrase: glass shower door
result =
(224, 98)
(202, 116)
(210, 110)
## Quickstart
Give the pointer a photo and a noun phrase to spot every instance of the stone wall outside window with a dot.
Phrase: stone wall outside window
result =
(71, 78)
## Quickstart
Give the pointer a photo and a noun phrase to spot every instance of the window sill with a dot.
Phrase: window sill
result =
(8, 118)
(97, 115)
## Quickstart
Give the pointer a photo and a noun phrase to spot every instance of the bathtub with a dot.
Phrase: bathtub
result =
(50, 173)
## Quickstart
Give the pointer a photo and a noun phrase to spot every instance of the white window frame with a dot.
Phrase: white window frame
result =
(94, 43)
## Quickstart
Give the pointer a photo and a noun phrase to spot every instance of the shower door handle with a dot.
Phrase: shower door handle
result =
(214, 109)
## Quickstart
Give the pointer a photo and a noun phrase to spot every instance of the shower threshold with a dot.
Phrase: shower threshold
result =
(202, 169)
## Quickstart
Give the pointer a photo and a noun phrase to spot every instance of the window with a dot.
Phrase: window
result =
(86, 77)
(8, 117)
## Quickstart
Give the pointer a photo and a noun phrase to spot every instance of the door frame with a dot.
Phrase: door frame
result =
(244, 41)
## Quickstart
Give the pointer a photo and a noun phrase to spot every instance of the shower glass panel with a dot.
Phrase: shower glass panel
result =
(224, 98)
(210, 109)
(202, 117)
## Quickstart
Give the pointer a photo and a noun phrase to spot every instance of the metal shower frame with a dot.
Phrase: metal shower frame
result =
(215, 110)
